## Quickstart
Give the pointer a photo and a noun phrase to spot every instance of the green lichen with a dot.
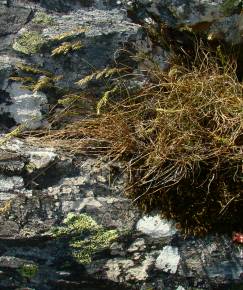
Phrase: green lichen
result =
(29, 42)
(28, 271)
(42, 18)
(229, 6)
(87, 236)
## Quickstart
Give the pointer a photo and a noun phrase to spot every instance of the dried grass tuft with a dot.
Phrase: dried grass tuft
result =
(181, 137)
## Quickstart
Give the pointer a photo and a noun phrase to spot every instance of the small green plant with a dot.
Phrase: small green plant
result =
(23, 79)
(87, 237)
(31, 69)
(14, 133)
(104, 99)
(28, 271)
(229, 6)
(45, 83)
(34, 78)
(43, 19)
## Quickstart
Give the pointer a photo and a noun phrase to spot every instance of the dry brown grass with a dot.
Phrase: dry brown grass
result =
(181, 139)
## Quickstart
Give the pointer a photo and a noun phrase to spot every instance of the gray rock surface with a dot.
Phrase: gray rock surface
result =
(102, 32)
(218, 20)
(47, 190)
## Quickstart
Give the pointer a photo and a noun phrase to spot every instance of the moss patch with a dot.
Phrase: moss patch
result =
(87, 236)
(43, 19)
(28, 271)
(29, 42)
(229, 6)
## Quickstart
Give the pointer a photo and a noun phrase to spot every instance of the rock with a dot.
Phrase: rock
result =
(168, 259)
(18, 17)
(79, 224)
(33, 36)
(26, 107)
(11, 183)
(41, 159)
(137, 246)
(140, 273)
(218, 20)
(156, 227)
(64, 220)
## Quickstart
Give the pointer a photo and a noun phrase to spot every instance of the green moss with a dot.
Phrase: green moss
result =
(43, 19)
(76, 224)
(29, 42)
(28, 271)
(87, 236)
(83, 250)
(229, 6)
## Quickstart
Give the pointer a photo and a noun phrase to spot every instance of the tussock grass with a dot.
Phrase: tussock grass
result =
(181, 138)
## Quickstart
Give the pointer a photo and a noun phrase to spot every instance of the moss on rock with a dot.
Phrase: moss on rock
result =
(28, 271)
(29, 42)
(229, 6)
(43, 19)
(87, 236)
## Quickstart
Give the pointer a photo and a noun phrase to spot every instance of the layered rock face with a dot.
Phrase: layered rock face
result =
(221, 20)
(64, 220)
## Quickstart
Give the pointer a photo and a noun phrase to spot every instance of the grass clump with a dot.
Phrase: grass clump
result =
(70, 34)
(181, 137)
(33, 78)
(67, 47)
(30, 69)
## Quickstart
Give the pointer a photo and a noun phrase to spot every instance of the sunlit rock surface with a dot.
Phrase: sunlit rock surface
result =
(64, 221)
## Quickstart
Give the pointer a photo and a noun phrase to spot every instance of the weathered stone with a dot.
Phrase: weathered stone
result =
(11, 183)
(12, 19)
(218, 20)
(64, 221)
(26, 107)
(156, 227)
(168, 259)
(141, 248)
